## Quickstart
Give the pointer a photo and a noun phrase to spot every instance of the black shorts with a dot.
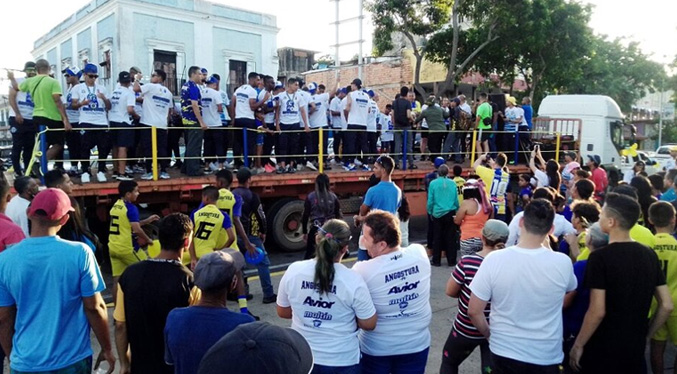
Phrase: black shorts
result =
(424, 133)
(486, 134)
(122, 138)
(56, 135)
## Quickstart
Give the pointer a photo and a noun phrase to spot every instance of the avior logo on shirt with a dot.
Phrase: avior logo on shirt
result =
(318, 303)
(406, 287)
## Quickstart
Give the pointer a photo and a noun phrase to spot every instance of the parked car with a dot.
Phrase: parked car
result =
(651, 166)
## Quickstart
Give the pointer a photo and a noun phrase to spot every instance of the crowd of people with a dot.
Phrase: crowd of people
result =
(283, 120)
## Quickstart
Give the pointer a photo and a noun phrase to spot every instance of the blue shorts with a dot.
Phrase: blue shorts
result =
(259, 139)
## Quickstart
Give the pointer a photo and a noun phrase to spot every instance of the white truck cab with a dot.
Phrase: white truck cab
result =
(595, 123)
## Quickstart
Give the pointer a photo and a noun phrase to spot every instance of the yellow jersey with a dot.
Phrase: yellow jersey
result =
(665, 247)
(497, 185)
(460, 182)
(121, 238)
(210, 229)
(642, 235)
(584, 251)
(230, 205)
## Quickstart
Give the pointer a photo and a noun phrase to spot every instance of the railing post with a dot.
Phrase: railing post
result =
(559, 138)
(474, 147)
(153, 142)
(245, 147)
(43, 154)
(320, 157)
(405, 145)
(517, 145)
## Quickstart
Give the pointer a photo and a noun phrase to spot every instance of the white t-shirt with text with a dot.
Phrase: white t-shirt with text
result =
(526, 288)
(399, 284)
(157, 100)
(24, 102)
(242, 96)
(319, 117)
(372, 116)
(226, 102)
(337, 122)
(72, 114)
(93, 113)
(290, 107)
(121, 99)
(326, 320)
(359, 108)
(211, 99)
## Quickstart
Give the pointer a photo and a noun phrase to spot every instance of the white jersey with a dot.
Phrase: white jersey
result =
(226, 103)
(326, 320)
(399, 284)
(211, 99)
(157, 100)
(121, 99)
(319, 117)
(424, 123)
(93, 113)
(242, 97)
(72, 114)
(337, 122)
(305, 102)
(386, 128)
(372, 116)
(271, 103)
(290, 108)
(24, 102)
(138, 108)
(359, 108)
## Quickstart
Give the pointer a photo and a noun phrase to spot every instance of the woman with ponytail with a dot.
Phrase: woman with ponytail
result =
(321, 205)
(474, 212)
(327, 302)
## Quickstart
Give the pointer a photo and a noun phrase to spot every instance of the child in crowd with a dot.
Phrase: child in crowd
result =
(584, 215)
(526, 191)
(656, 181)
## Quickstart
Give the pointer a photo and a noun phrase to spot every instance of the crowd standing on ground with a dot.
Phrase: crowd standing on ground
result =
(569, 269)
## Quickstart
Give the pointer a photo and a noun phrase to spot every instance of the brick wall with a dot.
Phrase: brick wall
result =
(384, 77)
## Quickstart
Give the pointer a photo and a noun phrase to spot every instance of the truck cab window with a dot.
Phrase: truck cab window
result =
(616, 129)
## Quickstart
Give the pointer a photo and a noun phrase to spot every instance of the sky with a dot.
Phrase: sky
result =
(650, 22)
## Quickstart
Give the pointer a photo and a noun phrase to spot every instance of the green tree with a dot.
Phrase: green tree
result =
(416, 20)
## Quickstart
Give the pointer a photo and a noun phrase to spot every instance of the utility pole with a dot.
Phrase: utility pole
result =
(337, 22)
(660, 118)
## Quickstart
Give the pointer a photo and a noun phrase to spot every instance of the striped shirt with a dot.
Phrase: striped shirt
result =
(463, 274)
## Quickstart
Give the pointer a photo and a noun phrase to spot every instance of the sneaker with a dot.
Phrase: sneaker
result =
(260, 170)
(358, 162)
(253, 316)
(291, 170)
(299, 167)
(270, 299)
(350, 167)
(214, 167)
(116, 175)
(125, 177)
(139, 169)
(73, 171)
(311, 166)
(147, 177)
(101, 177)
(280, 170)
(269, 168)
(229, 165)
(366, 168)
(85, 178)
(128, 170)
(164, 175)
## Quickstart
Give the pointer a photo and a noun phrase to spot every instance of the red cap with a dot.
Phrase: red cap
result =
(53, 202)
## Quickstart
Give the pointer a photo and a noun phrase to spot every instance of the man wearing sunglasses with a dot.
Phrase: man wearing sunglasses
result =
(21, 123)
(91, 99)
(73, 138)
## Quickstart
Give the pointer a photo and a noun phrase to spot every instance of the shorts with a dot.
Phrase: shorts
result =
(668, 330)
(424, 133)
(56, 135)
(119, 261)
(471, 246)
(122, 138)
(259, 139)
(486, 134)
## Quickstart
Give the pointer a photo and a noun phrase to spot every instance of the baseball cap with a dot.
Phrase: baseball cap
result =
(343, 90)
(51, 203)
(595, 158)
(72, 71)
(29, 65)
(370, 93)
(124, 77)
(470, 183)
(495, 230)
(312, 87)
(203, 71)
(278, 84)
(357, 82)
(90, 69)
(259, 348)
(439, 161)
(212, 80)
(215, 271)
(571, 154)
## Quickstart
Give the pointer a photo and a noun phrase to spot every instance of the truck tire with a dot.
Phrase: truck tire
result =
(284, 225)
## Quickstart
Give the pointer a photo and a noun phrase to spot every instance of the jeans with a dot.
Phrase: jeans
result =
(445, 235)
(287, 143)
(503, 365)
(191, 163)
(338, 140)
(147, 146)
(355, 143)
(99, 138)
(399, 142)
(263, 267)
(215, 150)
(238, 140)
(412, 363)
(457, 348)
(23, 141)
(321, 369)
(452, 144)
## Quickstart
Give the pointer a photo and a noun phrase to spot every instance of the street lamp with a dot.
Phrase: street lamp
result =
(660, 118)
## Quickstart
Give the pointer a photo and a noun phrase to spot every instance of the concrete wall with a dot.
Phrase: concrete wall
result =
(85, 42)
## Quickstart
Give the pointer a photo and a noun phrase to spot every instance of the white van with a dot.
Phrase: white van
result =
(594, 123)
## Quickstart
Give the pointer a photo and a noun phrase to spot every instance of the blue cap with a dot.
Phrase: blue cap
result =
(90, 69)
(439, 161)
(212, 80)
(343, 90)
(370, 93)
(203, 71)
(73, 71)
(254, 260)
(278, 84)
(312, 87)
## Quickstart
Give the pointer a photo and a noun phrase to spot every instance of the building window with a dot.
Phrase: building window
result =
(166, 61)
(237, 75)
(106, 65)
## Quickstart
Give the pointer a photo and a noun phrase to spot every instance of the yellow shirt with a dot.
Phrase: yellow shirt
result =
(585, 252)
(210, 229)
(460, 182)
(496, 183)
(666, 248)
(642, 235)
(229, 205)
(121, 239)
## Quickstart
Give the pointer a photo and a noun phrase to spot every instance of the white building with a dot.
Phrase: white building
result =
(171, 35)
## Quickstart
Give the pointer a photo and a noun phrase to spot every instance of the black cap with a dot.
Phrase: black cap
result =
(124, 77)
(259, 348)
(357, 82)
(29, 65)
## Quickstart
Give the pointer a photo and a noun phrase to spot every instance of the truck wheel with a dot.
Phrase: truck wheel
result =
(285, 225)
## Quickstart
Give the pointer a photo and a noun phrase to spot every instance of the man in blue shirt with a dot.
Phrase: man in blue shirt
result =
(190, 332)
(442, 207)
(191, 111)
(384, 196)
(46, 311)
(528, 111)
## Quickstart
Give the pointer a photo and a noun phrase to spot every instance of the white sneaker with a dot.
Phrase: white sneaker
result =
(147, 177)
(358, 162)
(229, 165)
(139, 169)
(163, 175)
(84, 178)
(299, 167)
(213, 167)
(101, 177)
(311, 166)
(128, 170)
